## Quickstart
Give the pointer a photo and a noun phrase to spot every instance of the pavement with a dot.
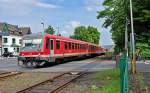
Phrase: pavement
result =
(92, 64)
(142, 66)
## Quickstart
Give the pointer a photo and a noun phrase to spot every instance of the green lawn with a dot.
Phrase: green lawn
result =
(110, 81)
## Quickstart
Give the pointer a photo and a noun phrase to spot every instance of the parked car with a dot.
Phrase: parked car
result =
(7, 54)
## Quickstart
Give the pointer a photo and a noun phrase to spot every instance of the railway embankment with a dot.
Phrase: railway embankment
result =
(90, 82)
(96, 82)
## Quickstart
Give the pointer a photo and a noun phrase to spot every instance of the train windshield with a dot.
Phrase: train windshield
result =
(32, 42)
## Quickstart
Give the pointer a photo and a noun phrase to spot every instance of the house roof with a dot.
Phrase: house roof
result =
(15, 30)
(25, 30)
(10, 27)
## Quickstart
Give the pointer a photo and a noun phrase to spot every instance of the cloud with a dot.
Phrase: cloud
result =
(93, 5)
(22, 7)
(74, 24)
(88, 8)
(69, 28)
(45, 5)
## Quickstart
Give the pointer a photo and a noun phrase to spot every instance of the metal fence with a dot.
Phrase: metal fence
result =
(123, 65)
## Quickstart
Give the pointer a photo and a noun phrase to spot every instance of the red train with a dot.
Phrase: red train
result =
(38, 49)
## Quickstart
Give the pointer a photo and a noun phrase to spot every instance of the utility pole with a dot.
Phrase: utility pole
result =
(126, 36)
(58, 30)
(133, 62)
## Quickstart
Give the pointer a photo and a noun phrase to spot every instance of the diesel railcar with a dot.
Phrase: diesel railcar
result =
(38, 49)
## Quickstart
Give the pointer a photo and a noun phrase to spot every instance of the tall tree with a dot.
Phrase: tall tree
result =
(115, 14)
(88, 34)
(50, 30)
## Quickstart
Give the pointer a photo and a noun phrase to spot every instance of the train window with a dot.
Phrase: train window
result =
(66, 45)
(47, 43)
(57, 44)
(72, 45)
(80, 46)
(69, 45)
(76, 46)
(51, 44)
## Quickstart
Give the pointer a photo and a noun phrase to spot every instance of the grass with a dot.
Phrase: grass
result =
(109, 53)
(110, 81)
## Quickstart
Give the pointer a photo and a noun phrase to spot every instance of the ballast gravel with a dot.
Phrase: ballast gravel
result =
(22, 81)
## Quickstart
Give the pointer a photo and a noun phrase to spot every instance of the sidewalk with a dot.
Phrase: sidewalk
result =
(7, 57)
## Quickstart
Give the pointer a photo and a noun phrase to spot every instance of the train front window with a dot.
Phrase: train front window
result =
(31, 44)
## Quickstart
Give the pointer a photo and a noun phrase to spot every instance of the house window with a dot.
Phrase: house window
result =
(17, 49)
(5, 40)
(13, 40)
(57, 44)
(20, 41)
(6, 50)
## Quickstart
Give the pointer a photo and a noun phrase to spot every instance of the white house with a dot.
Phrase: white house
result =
(10, 38)
(11, 43)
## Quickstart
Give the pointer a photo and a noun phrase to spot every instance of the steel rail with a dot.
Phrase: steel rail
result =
(66, 84)
(8, 74)
(54, 87)
(22, 91)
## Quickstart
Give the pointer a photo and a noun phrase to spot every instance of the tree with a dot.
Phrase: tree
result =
(115, 14)
(88, 34)
(50, 30)
(5, 27)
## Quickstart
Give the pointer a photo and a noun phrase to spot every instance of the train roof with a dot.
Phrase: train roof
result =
(69, 39)
(33, 36)
(40, 35)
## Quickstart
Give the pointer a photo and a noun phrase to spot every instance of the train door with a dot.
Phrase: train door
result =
(51, 47)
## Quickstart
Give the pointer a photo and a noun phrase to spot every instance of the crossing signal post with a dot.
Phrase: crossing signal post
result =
(133, 61)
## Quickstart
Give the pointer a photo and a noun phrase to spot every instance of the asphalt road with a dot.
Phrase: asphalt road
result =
(92, 64)
(143, 66)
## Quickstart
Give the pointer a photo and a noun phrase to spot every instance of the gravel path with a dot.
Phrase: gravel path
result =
(19, 82)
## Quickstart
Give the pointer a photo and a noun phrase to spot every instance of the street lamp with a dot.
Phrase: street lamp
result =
(43, 25)
(133, 62)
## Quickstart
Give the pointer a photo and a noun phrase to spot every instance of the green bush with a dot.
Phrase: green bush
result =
(145, 49)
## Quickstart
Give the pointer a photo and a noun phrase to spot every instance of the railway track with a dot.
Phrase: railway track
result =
(53, 85)
(4, 75)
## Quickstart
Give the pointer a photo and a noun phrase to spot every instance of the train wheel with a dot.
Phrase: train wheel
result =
(20, 63)
(28, 64)
(58, 61)
(35, 64)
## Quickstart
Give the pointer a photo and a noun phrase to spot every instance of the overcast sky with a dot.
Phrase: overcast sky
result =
(65, 14)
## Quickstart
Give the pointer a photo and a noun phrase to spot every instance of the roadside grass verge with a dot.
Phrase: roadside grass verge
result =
(110, 80)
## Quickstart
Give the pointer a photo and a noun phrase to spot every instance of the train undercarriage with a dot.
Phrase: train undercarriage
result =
(41, 61)
(32, 61)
